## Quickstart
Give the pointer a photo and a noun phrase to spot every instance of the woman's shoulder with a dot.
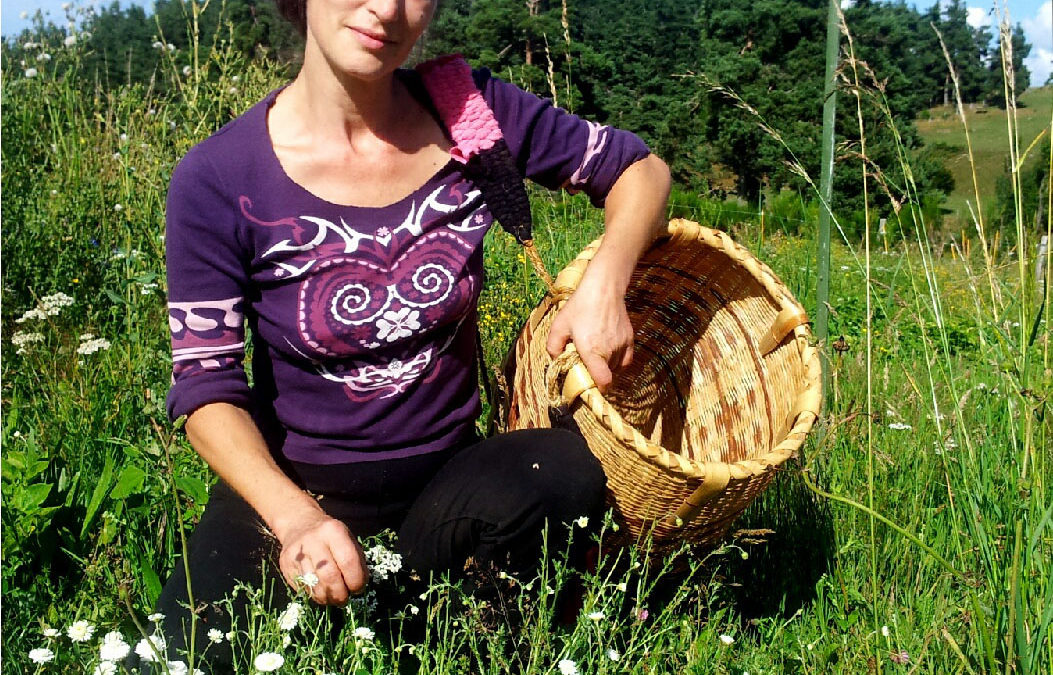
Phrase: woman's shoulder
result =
(234, 146)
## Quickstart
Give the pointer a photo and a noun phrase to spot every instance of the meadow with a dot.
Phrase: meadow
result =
(913, 533)
(989, 136)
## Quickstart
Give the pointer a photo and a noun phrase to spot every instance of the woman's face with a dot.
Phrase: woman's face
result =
(366, 39)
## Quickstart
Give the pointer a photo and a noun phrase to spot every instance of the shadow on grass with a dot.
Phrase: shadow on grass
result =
(780, 574)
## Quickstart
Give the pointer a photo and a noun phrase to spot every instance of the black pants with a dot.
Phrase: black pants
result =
(490, 501)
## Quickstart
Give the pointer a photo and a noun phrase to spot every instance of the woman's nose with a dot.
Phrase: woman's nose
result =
(386, 10)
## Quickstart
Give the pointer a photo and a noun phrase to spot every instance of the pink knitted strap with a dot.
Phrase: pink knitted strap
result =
(465, 113)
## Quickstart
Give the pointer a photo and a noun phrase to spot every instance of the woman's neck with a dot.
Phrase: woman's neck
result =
(341, 108)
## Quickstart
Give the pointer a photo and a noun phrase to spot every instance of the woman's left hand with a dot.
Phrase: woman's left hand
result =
(596, 321)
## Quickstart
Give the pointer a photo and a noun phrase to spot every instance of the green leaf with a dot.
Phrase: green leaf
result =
(195, 488)
(118, 300)
(13, 465)
(129, 482)
(153, 584)
(101, 488)
(33, 496)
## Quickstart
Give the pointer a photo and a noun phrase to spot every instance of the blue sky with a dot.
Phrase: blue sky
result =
(1036, 16)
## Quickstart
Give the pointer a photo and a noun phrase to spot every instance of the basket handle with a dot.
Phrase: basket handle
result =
(712, 486)
(567, 378)
(785, 322)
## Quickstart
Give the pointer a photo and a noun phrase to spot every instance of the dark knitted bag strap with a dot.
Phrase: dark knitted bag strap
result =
(481, 147)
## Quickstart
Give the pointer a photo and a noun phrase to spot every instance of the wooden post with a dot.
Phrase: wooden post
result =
(826, 185)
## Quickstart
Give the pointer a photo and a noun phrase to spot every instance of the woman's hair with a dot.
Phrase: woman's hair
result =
(295, 12)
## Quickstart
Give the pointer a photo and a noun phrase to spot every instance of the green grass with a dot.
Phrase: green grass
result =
(945, 569)
(989, 134)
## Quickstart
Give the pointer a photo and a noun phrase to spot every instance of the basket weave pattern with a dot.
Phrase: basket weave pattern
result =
(723, 388)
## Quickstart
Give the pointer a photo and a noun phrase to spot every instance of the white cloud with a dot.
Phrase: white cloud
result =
(1039, 32)
(977, 17)
(1040, 64)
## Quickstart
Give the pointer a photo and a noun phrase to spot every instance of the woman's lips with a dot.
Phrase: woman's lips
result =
(370, 39)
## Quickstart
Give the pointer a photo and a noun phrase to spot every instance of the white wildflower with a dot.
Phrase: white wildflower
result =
(215, 636)
(20, 339)
(363, 633)
(158, 44)
(70, 40)
(235, 78)
(171, 47)
(727, 639)
(113, 647)
(884, 631)
(118, 208)
(29, 45)
(123, 137)
(567, 667)
(43, 56)
(232, 90)
(290, 618)
(621, 587)
(268, 662)
(613, 655)
(177, 668)
(145, 648)
(31, 72)
(310, 579)
(86, 35)
(48, 632)
(230, 636)
(286, 641)
(900, 426)
(414, 610)
(53, 304)
(383, 562)
(66, 6)
(105, 668)
(595, 616)
(186, 71)
(582, 522)
(80, 631)
(156, 617)
(92, 346)
(41, 655)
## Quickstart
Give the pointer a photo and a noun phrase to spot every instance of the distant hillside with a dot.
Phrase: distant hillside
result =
(987, 129)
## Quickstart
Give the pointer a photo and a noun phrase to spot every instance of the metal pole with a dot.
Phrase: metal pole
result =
(826, 187)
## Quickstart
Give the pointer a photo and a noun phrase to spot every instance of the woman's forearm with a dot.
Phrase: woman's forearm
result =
(228, 439)
(595, 317)
(635, 213)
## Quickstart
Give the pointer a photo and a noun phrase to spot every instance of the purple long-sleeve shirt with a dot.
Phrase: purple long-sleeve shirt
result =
(363, 319)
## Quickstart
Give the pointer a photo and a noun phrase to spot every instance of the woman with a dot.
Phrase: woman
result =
(332, 219)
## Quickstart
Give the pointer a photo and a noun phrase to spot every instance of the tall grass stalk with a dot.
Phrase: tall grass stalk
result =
(876, 600)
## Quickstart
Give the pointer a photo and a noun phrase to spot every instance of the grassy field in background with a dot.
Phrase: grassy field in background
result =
(989, 135)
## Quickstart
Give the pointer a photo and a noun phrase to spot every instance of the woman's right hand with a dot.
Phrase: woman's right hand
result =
(320, 545)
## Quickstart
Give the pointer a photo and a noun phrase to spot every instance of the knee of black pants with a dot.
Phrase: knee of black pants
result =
(573, 507)
(492, 503)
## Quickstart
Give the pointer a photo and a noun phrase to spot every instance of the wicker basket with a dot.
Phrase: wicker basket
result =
(723, 388)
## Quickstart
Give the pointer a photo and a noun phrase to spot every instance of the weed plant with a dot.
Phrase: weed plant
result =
(914, 533)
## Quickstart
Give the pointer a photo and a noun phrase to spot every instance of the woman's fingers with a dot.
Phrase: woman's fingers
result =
(328, 551)
(350, 560)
